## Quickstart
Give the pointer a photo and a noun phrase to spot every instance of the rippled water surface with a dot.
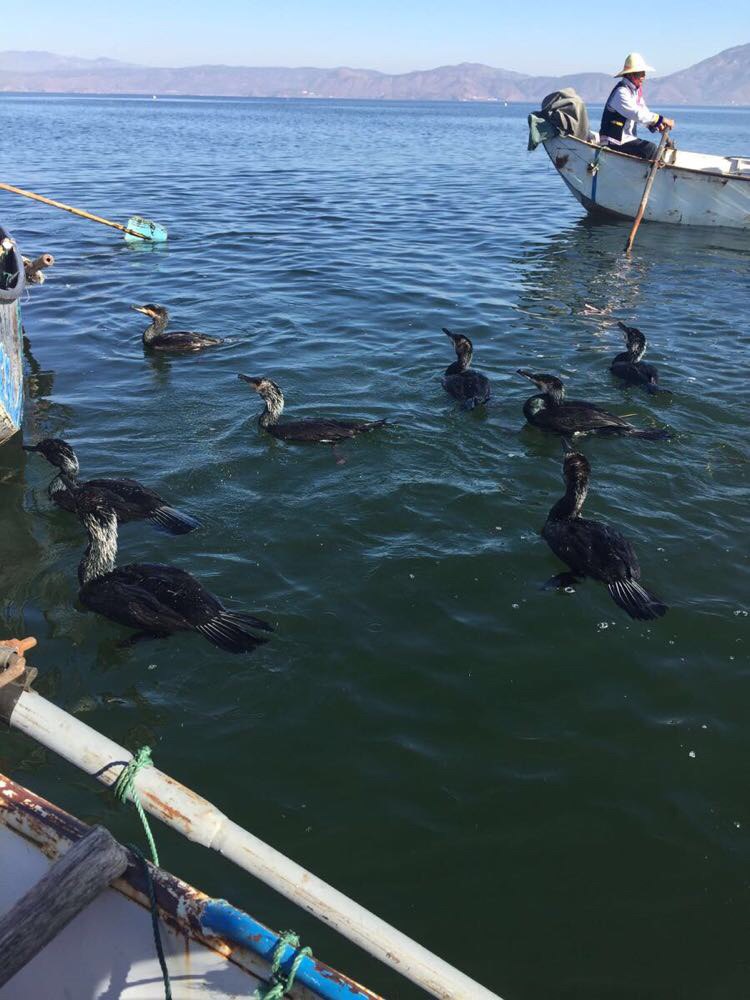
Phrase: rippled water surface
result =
(547, 794)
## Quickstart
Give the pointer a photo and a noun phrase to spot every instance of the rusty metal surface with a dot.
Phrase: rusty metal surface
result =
(181, 906)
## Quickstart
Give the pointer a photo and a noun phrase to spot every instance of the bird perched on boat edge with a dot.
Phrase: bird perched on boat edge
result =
(628, 364)
(179, 341)
(322, 430)
(156, 600)
(593, 548)
(470, 388)
(550, 411)
(129, 499)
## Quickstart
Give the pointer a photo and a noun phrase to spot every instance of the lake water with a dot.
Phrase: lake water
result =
(547, 794)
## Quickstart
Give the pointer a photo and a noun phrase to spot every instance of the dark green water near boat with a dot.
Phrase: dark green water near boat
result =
(547, 794)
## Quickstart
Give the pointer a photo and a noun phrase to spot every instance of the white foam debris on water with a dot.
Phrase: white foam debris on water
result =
(740, 613)
(152, 666)
(569, 590)
(737, 824)
(692, 753)
(602, 625)
(515, 605)
(411, 576)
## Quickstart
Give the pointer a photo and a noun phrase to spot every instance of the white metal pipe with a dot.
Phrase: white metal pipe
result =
(202, 822)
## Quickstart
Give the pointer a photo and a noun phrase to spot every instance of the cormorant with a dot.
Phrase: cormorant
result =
(551, 412)
(129, 500)
(468, 387)
(594, 549)
(628, 365)
(182, 341)
(154, 599)
(321, 430)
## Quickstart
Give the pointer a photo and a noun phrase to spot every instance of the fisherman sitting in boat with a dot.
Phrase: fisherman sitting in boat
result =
(625, 108)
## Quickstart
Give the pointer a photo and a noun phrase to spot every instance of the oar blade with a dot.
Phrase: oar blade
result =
(153, 232)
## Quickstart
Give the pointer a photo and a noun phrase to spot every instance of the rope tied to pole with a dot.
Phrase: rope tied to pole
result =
(282, 982)
(124, 788)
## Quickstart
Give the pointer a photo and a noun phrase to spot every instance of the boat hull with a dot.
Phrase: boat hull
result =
(11, 339)
(694, 190)
(108, 951)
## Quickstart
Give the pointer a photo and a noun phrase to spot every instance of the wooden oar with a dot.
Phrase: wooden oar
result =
(647, 190)
(142, 229)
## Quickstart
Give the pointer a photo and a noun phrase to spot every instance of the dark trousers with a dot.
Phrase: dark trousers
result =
(639, 147)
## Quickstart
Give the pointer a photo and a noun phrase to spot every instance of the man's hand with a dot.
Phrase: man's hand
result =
(666, 123)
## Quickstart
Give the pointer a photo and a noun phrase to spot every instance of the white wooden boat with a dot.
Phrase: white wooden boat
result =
(11, 365)
(690, 189)
(103, 948)
(213, 950)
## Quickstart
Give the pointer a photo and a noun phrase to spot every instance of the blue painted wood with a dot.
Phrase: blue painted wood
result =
(152, 230)
(12, 282)
(223, 919)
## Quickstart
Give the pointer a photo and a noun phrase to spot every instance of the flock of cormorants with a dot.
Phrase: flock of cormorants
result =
(157, 600)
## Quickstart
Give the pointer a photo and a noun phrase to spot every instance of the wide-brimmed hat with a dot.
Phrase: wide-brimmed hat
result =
(635, 63)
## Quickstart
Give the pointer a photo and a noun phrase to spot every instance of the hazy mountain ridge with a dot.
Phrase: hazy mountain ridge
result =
(721, 79)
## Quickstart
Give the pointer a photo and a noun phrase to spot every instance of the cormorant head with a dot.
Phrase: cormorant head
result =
(462, 345)
(265, 387)
(152, 311)
(635, 340)
(547, 384)
(576, 470)
(58, 453)
(93, 508)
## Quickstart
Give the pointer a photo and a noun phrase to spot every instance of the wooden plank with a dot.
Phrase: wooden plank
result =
(67, 888)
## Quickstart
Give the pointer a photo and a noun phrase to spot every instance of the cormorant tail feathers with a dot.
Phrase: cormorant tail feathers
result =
(230, 631)
(636, 601)
(173, 521)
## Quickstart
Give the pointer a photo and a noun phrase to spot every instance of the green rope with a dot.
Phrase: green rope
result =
(124, 789)
(280, 982)
(154, 921)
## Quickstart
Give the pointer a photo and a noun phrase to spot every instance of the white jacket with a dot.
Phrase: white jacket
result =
(628, 101)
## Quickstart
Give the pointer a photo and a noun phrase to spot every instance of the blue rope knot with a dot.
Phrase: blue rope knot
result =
(282, 982)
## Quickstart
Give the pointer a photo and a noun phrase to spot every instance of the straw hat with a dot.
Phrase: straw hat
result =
(635, 63)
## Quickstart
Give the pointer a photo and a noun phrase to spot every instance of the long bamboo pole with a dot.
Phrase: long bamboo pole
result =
(647, 190)
(69, 208)
(203, 823)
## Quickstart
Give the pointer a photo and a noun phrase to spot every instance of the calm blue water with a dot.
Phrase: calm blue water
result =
(545, 793)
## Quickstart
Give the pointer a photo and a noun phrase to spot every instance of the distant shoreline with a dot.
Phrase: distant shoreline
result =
(480, 101)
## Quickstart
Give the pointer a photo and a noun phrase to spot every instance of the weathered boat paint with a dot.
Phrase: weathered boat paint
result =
(199, 820)
(691, 189)
(11, 334)
(202, 927)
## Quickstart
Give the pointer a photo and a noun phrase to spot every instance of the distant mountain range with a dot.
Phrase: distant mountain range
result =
(724, 79)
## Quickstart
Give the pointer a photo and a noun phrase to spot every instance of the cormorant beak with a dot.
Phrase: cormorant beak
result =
(447, 333)
(142, 309)
(529, 375)
(254, 382)
(567, 446)
(29, 447)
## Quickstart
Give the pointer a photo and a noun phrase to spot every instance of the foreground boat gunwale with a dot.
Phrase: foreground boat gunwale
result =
(211, 923)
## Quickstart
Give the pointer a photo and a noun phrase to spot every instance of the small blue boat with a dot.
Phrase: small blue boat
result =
(12, 282)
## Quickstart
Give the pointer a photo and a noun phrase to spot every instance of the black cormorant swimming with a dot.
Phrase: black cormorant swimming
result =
(470, 388)
(550, 411)
(321, 430)
(594, 549)
(129, 500)
(628, 365)
(154, 599)
(181, 341)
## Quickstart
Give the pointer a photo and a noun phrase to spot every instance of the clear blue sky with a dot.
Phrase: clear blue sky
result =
(389, 35)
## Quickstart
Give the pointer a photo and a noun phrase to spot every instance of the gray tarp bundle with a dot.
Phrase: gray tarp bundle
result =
(563, 112)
